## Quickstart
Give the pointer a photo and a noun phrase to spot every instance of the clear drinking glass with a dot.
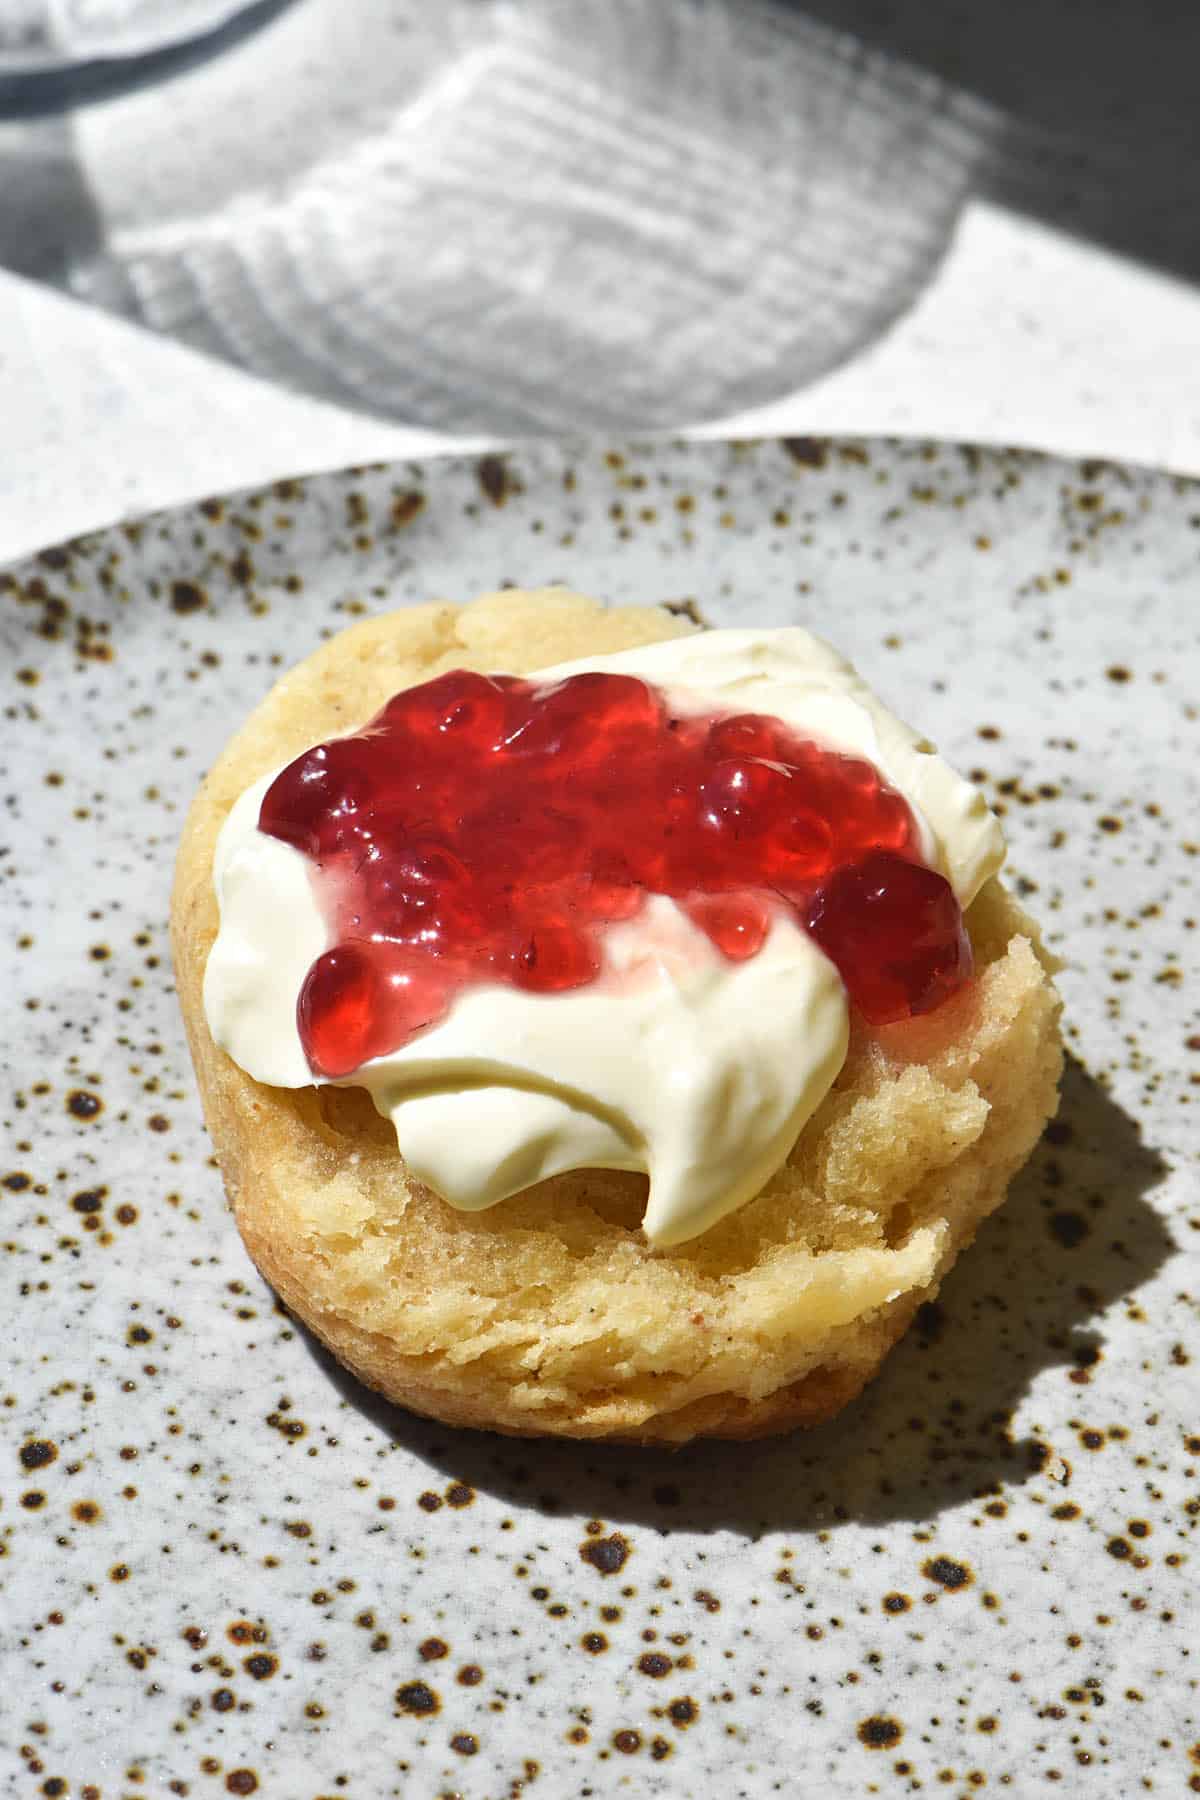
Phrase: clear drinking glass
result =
(500, 216)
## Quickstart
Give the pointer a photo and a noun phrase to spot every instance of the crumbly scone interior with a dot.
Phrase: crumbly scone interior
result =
(548, 1312)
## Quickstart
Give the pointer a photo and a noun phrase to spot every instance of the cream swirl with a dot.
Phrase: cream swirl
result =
(699, 1071)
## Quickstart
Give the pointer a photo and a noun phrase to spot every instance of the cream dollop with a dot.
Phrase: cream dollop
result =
(675, 1061)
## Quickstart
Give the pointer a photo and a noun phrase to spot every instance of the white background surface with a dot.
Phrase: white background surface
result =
(1023, 336)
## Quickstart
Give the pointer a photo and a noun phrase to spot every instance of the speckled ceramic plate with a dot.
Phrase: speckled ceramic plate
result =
(229, 1570)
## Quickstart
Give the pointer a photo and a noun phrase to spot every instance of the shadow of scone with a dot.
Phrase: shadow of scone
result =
(549, 1314)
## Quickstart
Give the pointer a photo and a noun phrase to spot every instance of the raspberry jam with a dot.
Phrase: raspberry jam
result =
(488, 829)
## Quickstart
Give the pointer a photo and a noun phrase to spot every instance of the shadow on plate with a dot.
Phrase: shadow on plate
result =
(936, 1428)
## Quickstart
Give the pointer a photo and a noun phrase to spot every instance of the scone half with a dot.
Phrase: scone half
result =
(549, 1314)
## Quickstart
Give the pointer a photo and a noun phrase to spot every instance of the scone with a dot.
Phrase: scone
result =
(552, 1311)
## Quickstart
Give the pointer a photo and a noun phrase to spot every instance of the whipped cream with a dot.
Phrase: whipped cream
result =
(696, 1070)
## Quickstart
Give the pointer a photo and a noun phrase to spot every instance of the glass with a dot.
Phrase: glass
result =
(509, 216)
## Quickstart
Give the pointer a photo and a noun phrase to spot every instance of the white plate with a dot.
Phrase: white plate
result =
(979, 1574)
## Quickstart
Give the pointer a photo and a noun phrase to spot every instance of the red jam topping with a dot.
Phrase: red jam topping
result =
(488, 829)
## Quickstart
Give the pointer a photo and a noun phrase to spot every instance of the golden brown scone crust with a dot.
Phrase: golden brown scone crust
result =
(549, 1314)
